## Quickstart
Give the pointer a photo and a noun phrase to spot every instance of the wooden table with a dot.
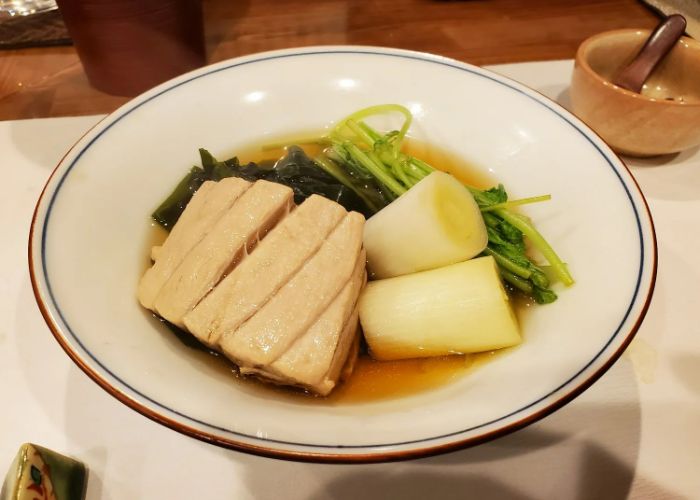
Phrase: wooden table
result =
(43, 82)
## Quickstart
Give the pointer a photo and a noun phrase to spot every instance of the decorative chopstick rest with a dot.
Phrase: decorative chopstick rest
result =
(38, 473)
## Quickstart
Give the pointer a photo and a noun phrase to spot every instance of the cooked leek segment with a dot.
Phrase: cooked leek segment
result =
(436, 223)
(461, 308)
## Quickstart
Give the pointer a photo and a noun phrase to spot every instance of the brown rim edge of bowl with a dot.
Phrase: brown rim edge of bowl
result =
(583, 63)
(339, 458)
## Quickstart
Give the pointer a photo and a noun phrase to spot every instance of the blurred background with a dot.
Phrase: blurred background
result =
(41, 74)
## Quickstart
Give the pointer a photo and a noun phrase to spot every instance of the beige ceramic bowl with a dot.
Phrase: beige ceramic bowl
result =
(664, 118)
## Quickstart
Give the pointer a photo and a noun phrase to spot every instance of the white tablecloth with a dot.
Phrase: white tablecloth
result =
(635, 433)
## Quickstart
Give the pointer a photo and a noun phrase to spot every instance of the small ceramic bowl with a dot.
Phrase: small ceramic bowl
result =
(663, 118)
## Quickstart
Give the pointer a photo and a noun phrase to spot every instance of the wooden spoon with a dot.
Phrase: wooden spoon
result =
(659, 43)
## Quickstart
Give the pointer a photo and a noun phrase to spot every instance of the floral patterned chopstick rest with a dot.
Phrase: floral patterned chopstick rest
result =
(41, 474)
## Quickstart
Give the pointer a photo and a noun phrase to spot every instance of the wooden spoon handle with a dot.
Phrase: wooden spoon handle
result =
(654, 50)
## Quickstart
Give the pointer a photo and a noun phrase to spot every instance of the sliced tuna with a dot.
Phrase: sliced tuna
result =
(340, 371)
(299, 303)
(317, 357)
(259, 276)
(205, 208)
(236, 232)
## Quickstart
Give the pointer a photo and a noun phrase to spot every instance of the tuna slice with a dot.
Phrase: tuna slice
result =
(344, 357)
(258, 277)
(274, 289)
(236, 232)
(205, 208)
(315, 360)
(300, 302)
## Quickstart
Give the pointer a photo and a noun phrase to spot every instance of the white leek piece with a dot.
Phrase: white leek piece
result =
(436, 223)
(461, 308)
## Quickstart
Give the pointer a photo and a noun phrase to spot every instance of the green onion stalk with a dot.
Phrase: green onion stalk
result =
(359, 156)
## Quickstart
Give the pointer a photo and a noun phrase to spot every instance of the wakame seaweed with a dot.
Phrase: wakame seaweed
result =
(169, 211)
(295, 170)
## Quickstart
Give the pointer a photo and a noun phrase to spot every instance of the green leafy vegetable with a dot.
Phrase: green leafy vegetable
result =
(366, 153)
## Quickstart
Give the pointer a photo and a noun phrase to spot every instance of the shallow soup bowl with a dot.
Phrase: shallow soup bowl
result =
(91, 232)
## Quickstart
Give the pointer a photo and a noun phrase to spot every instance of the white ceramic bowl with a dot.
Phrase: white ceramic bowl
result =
(88, 248)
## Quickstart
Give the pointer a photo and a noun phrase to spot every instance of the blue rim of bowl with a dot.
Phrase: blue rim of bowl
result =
(381, 454)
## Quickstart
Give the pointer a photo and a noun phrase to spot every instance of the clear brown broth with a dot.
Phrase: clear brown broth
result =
(371, 380)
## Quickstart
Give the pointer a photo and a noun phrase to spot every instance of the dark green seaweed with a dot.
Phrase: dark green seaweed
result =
(169, 211)
(295, 170)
